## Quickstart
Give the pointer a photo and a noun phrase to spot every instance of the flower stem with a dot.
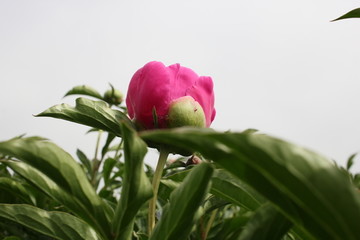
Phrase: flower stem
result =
(96, 162)
(155, 183)
(97, 144)
(209, 224)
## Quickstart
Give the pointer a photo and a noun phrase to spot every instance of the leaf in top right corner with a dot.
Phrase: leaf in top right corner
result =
(352, 14)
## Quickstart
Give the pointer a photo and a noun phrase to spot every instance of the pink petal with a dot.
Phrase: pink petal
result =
(202, 92)
(149, 88)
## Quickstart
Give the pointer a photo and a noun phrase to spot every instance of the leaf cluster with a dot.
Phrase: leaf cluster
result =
(241, 185)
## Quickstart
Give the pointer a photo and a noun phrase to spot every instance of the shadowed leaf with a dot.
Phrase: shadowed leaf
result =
(304, 185)
(136, 189)
(179, 214)
(352, 14)
(266, 224)
(55, 172)
(57, 225)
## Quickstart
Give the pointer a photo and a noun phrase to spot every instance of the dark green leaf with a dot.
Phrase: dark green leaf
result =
(180, 213)
(304, 185)
(49, 187)
(109, 164)
(213, 203)
(58, 225)
(105, 148)
(230, 228)
(12, 238)
(18, 189)
(136, 189)
(4, 172)
(352, 14)
(96, 114)
(350, 161)
(266, 224)
(165, 189)
(357, 180)
(232, 189)
(84, 160)
(84, 90)
(224, 185)
(58, 175)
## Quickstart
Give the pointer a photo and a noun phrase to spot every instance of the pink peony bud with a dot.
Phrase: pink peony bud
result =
(157, 87)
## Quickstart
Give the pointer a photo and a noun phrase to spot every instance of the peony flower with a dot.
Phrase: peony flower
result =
(173, 96)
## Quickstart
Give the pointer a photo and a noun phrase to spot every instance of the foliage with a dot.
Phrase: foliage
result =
(236, 185)
(352, 14)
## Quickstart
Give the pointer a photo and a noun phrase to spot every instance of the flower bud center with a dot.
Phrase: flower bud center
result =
(185, 111)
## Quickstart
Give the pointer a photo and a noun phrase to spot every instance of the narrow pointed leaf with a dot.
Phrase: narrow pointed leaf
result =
(232, 189)
(84, 90)
(180, 213)
(136, 189)
(84, 160)
(304, 185)
(105, 148)
(352, 14)
(266, 224)
(58, 166)
(96, 114)
(350, 161)
(57, 225)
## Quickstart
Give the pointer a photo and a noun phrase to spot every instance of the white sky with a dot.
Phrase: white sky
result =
(279, 66)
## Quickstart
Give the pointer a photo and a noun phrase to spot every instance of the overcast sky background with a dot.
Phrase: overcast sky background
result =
(279, 66)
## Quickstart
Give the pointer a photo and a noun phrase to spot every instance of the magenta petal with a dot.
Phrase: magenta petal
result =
(183, 79)
(148, 89)
(155, 86)
(202, 92)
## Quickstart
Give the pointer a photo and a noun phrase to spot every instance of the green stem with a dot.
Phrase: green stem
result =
(209, 224)
(97, 144)
(155, 183)
(96, 162)
(118, 148)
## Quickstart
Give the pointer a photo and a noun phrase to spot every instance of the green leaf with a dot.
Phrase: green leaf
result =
(18, 189)
(232, 189)
(136, 189)
(350, 161)
(212, 203)
(224, 185)
(69, 184)
(96, 114)
(109, 164)
(4, 172)
(11, 238)
(49, 187)
(105, 148)
(352, 14)
(231, 228)
(58, 225)
(357, 180)
(84, 160)
(180, 213)
(84, 90)
(304, 185)
(266, 224)
(165, 189)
